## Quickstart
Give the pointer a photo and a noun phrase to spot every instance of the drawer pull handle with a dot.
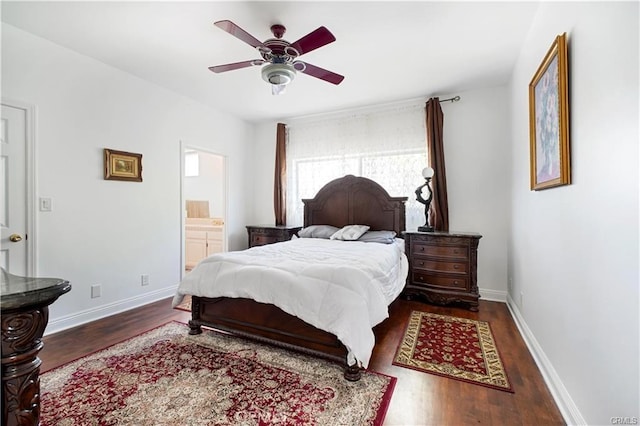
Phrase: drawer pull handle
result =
(456, 281)
(456, 251)
(421, 248)
(456, 266)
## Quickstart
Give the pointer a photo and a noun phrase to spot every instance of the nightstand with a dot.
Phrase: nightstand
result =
(442, 267)
(260, 235)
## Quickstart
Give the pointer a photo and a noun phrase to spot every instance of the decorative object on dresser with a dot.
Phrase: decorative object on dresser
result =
(25, 312)
(260, 235)
(443, 267)
(427, 173)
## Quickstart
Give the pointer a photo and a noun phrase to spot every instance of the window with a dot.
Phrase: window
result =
(191, 164)
(388, 147)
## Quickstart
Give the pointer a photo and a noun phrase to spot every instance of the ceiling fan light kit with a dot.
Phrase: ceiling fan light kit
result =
(278, 73)
(279, 57)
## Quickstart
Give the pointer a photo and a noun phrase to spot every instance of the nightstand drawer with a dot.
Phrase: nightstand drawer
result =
(440, 280)
(262, 239)
(440, 266)
(260, 235)
(454, 252)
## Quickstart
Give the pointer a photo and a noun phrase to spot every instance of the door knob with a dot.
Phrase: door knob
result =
(14, 238)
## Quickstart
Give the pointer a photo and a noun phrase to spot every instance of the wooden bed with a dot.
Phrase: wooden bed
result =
(345, 201)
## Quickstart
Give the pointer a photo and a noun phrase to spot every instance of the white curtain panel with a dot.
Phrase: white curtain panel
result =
(388, 146)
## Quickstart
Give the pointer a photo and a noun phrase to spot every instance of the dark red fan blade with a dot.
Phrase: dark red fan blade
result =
(313, 40)
(236, 65)
(322, 74)
(238, 32)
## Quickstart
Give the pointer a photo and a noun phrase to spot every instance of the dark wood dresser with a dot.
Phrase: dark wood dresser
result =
(260, 235)
(442, 267)
(25, 313)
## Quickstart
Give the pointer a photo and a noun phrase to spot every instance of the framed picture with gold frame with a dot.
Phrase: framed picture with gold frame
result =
(549, 119)
(121, 165)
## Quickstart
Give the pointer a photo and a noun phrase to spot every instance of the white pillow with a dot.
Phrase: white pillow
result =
(350, 232)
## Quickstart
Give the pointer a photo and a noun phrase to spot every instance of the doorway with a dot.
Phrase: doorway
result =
(203, 205)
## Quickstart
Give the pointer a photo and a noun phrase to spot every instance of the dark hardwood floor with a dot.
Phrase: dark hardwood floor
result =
(419, 398)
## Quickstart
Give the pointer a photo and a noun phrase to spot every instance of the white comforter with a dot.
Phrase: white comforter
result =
(343, 287)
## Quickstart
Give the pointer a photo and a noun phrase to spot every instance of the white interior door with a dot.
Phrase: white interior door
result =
(14, 214)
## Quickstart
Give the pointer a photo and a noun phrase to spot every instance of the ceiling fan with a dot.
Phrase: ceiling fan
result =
(279, 57)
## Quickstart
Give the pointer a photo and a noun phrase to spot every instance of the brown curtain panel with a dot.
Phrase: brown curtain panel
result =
(280, 179)
(439, 212)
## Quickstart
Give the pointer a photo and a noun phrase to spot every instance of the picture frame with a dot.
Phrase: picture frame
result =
(550, 164)
(122, 165)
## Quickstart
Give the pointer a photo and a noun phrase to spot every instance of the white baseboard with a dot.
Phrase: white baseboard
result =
(103, 311)
(568, 408)
(493, 295)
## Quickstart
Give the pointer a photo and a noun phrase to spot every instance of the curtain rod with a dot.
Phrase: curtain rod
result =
(454, 99)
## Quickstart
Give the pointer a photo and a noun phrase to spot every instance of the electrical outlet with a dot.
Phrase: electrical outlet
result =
(96, 291)
(144, 279)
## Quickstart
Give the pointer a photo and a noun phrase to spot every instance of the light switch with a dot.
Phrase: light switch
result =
(45, 204)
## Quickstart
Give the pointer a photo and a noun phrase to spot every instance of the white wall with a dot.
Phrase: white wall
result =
(111, 232)
(574, 249)
(477, 161)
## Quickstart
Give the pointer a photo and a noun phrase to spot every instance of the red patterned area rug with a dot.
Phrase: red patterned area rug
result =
(167, 377)
(458, 348)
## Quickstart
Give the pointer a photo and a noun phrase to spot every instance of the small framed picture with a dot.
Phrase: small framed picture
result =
(121, 165)
(549, 119)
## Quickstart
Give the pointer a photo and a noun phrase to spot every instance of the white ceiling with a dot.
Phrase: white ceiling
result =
(387, 51)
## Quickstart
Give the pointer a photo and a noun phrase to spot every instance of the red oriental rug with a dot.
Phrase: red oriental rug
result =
(167, 377)
(458, 348)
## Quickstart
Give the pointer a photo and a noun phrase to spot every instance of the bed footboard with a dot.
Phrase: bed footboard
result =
(268, 324)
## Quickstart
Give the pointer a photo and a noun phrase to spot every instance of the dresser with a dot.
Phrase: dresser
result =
(260, 235)
(442, 267)
(25, 312)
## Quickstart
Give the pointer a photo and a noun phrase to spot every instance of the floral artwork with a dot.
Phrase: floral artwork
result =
(547, 131)
(549, 120)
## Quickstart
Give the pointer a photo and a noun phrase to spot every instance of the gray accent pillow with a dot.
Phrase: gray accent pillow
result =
(384, 237)
(350, 232)
(317, 231)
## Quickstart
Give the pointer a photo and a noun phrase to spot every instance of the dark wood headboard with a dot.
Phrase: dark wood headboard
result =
(353, 200)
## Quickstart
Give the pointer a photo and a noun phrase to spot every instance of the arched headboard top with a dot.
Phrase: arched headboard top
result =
(354, 200)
